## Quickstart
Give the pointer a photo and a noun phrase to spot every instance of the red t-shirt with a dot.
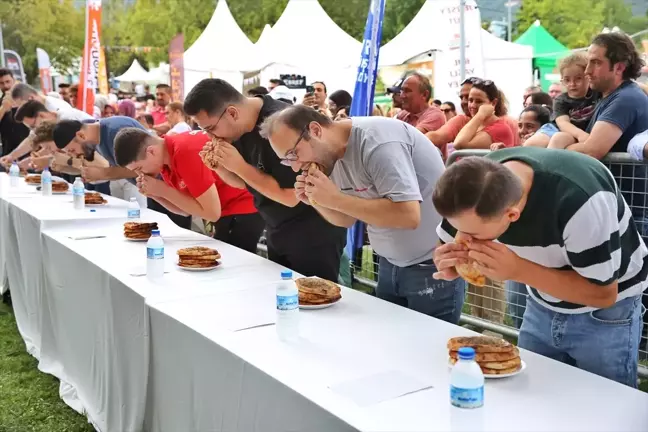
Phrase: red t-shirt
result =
(500, 132)
(158, 114)
(188, 174)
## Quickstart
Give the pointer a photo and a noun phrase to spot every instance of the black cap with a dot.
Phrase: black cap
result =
(65, 131)
(396, 88)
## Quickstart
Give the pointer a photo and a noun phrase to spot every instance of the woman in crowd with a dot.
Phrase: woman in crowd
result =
(337, 100)
(488, 125)
(177, 119)
(126, 108)
(532, 118)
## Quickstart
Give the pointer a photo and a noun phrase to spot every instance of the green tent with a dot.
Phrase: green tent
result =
(547, 51)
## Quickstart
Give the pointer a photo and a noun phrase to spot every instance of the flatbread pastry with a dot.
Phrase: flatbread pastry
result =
(503, 365)
(471, 275)
(491, 357)
(487, 371)
(313, 167)
(481, 344)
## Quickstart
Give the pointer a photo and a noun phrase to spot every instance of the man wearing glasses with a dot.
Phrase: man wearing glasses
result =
(297, 236)
(382, 172)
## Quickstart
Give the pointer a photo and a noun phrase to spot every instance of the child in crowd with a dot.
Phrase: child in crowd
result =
(572, 110)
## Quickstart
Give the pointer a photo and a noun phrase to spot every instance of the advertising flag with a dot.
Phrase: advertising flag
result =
(176, 64)
(103, 72)
(44, 70)
(91, 57)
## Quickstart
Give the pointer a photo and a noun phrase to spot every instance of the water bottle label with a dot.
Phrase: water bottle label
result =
(77, 191)
(133, 213)
(467, 398)
(46, 180)
(155, 253)
(289, 302)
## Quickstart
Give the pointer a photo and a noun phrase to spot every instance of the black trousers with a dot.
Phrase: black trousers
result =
(181, 221)
(242, 231)
(322, 261)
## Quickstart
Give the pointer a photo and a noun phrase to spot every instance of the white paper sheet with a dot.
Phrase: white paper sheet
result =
(376, 388)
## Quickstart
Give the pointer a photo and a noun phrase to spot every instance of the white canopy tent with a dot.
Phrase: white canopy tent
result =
(135, 73)
(221, 51)
(160, 74)
(306, 41)
(508, 64)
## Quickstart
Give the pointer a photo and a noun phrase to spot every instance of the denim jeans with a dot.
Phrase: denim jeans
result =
(604, 342)
(415, 288)
(516, 297)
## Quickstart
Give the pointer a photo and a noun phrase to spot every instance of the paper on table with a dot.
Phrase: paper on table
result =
(376, 388)
(140, 269)
(247, 309)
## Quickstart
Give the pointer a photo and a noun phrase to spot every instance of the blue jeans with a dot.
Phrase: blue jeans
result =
(516, 299)
(413, 287)
(604, 342)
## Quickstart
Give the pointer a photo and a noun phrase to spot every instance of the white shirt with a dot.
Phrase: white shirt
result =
(55, 104)
(180, 128)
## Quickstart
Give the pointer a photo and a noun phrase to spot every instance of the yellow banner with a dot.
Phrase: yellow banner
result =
(102, 74)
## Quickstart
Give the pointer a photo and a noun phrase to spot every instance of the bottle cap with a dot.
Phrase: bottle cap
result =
(286, 274)
(93, 210)
(155, 232)
(466, 353)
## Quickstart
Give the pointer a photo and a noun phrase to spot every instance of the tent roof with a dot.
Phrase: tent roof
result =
(135, 73)
(543, 43)
(495, 48)
(305, 36)
(221, 46)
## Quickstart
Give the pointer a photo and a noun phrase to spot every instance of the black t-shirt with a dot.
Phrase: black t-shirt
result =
(301, 223)
(579, 110)
(12, 133)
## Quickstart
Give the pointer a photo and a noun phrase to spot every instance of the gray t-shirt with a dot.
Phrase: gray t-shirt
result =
(387, 158)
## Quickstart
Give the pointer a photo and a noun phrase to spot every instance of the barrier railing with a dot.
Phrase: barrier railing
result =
(499, 307)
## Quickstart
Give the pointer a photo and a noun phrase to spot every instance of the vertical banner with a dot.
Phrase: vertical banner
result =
(14, 63)
(103, 72)
(44, 70)
(91, 53)
(176, 63)
(363, 95)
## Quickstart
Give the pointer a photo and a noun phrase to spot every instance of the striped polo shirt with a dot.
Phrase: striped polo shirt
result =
(575, 219)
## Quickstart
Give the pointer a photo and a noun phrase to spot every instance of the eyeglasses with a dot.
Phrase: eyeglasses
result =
(446, 110)
(291, 155)
(210, 129)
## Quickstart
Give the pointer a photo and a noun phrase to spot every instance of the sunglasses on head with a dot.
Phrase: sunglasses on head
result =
(470, 80)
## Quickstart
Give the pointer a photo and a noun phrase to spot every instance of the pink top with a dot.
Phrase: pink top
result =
(430, 119)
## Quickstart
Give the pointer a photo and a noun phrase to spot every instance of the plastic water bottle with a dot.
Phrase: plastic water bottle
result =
(287, 308)
(14, 175)
(155, 256)
(46, 182)
(78, 194)
(133, 209)
(466, 381)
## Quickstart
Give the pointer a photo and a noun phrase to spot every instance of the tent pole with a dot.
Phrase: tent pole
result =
(462, 40)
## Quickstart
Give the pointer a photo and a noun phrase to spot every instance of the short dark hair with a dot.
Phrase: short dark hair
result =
(5, 72)
(277, 81)
(341, 98)
(619, 48)
(323, 85)
(165, 87)
(22, 91)
(130, 144)
(451, 105)
(29, 109)
(148, 118)
(437, 102)
(211, 95)
(43, 133)
(296, 117)
(542, 113)
(65, 131)
(64, 85)
(542, 99)
(476, 183)
(257, 91)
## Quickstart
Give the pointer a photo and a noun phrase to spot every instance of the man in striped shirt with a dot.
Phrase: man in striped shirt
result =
(556, 222)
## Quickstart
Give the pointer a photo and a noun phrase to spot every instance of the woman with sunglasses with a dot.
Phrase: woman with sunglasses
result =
(488, 124)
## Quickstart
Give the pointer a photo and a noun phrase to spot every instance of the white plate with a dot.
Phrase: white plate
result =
(320, 306)
(197, 269)
(96, 205)
(517, 372)
(135, 240)
(54, 192)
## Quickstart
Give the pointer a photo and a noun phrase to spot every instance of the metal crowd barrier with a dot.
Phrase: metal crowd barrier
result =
(499, 307)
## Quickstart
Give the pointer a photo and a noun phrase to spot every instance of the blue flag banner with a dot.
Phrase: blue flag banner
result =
(363, 94)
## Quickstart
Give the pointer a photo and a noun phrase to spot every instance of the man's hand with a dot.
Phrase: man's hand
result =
(446, 258)
(486, 111)
(495, 260)
(92, 174)
(229, 157)
(208, 154)
(321, 189)
(7, 102)
(300, 189)
(309, 100)
(6, 161)
(150, 186)
(25, 164)
(497, 146)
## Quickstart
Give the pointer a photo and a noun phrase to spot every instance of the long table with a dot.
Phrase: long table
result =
(133, 355)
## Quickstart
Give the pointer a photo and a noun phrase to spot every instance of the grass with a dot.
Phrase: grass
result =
(29, 399)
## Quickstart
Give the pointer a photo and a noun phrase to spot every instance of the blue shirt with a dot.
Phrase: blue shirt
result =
(626, 108)
(108, 129)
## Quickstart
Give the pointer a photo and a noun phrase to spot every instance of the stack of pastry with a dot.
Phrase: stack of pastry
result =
(316, 291)
(198, 257)
(139, 230)
(94, 198)
(34, 179)
(60, 186)
(494, 356)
